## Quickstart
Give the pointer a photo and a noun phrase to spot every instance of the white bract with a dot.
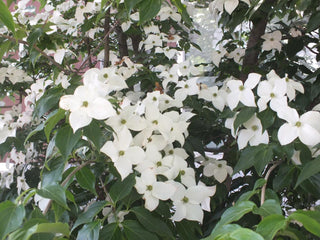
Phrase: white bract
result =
(306, 127)
(84, 105)
(216, 168)
(272, 41)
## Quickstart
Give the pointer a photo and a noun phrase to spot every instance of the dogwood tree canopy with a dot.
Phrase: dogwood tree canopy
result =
(121, 128)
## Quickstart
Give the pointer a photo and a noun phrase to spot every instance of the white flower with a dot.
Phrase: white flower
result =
(84, 105)
(123, 153)
(214, 95)
(272, 91)
(21, 184)
(216, 168)
(252, 133)
(153, 190)
(218, 54)
(295, 32)
(229, 5)
(242, 92)
(237, 55)
(152, 41)
(166, 12)
(272, 41)
(186, 88)
(292, 87)
(187, 201)
(306, 127)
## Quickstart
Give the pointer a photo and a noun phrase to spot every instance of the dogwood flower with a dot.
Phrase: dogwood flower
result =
(242, 92)
(189, 87)
(252, 133)
(122, 153)
(272, 41)
(229, 5)
(187, 201)
(84, 105)
(218, 54)
(215, 95)
(153, 190)
(306, 127)
(292, 87)
(216, 168)
(237, 55)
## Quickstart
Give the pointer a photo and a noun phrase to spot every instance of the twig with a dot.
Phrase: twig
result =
(12, 39)
(66, 181)
(97, 48)
(266, 177)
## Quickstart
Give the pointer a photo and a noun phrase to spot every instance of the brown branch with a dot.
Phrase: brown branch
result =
(59, 66)
(250, 60)
(107, 39)
(266, 177)
(95, 50)
(122, 42)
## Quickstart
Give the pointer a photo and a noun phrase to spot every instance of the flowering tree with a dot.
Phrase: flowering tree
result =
(113, 138)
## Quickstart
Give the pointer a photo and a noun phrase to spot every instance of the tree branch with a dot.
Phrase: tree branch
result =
(107, 39)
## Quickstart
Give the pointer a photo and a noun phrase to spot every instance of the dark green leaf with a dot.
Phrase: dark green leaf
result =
(6, 17)
(54, 192)
(152, 223)
(4, 47)
(148, 10)
(247, 158)
(52, 173)
(34, 36)
(134, 231)
(121, 189)
(245, 234)
(39, 128)
(309, 223)
(262, 158)
(235, 212)
(86, 179)
(89, 231)
(62, 228)
(94, 133)
(66, 140)
(303, 4)
(52, 121)
(313, 22)
(110, 232)
(130, 4)
(267, 118)
(243, 116)
(269, 207)
(188, 230)
(183, 11)
(11, 217)
(270, 225)
(223, 230)
(49, 100)
(310, 169)
(89, 214)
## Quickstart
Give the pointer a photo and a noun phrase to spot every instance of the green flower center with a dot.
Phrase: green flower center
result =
(85, 104)
(105, 75)
(171, 152)
(241, 88)
(123, 121)
(254, 127)
(272, 95)
(214, 95)
(159, 164)
(149, 188)
(154, 99)
(185, 199)
(186, 86)
(298, 124)
(182, 172)
(155, 122)
(121, 153)
(219, 165)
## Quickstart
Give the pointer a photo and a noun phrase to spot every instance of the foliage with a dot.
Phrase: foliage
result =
(113, 136)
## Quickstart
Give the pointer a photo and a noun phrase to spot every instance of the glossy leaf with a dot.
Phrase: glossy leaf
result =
(148, 10)
(52, 121)
(269, 207)
(6, 17)
(309, 223)
(310, 169)
(89, 214)
(313, 22)
(245, 234)
(270, 225)
(130, 4)
(66, 140)
(121, 189)
(222, 231)
(152, 223)
(89, 231)
(4, 47)
(110, 231)
(94, 133)
(244, 115)
(134, 231)
(54, 192)
(11, 217)
(52, 173)
(86, 179)
(262, 158)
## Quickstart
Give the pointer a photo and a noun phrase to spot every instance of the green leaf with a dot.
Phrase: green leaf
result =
(110, 232)
(66, 140)
(245, 234)
(313, 22)
(54, 192)
(94, 133)
(309, 223)
(90, 231)
(86, 179)
(11, 217)
(121, 189)
(269, 207)
(303, 4)
(183, 11)
(310, 169)
(89, 214)
(235, 212)
(52, 121)
(130, 4)
(247, 158)
(148, 10)
(39, 128)
(52, 173)
(262, 158)
(223, 230)
(152, 223)
(134, 231)
(49, 100)
(4, 47)
(34, 36)
(188, 230)
(270, 225)
(61, 228)
(6, 17)
(244, 115)
(267, 118)
(247, 195)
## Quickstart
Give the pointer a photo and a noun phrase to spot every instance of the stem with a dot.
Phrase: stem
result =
(59, 66)
(266, 177)
(107, 40)
(77, 169)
